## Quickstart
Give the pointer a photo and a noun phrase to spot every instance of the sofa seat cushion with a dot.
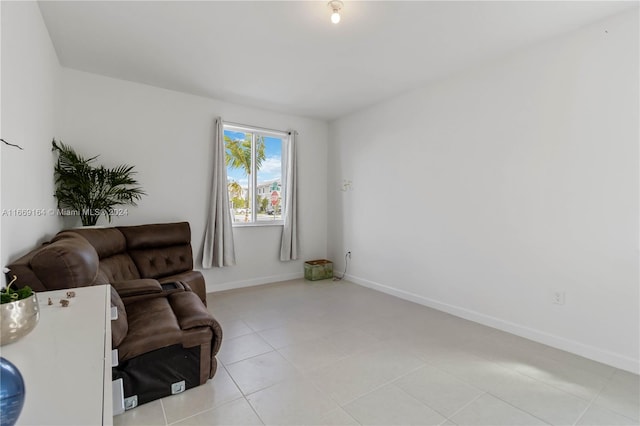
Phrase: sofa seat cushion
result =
(152, 325)
(159, 322)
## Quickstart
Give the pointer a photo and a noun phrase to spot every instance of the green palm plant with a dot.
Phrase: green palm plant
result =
(92, 191)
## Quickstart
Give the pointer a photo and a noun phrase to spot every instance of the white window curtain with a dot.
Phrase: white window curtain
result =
(289, 244)
(218, 247)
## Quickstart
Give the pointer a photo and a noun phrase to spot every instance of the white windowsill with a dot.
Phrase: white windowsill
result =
(257, 224)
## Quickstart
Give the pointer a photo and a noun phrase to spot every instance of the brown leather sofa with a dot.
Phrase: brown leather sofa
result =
(165, 336)
(89, 256)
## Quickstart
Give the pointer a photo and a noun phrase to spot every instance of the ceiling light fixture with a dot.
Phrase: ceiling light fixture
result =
(336, 6)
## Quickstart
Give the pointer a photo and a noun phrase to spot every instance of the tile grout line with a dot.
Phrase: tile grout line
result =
(605, 377)
(222, 324)
(559, 388)
(528, 377)
(388, 382)
(524, 374)
(584, 369)
(543, 355)
(340, 358)
(345, 412)
(519, 408)
(164, 413)
(204, 411)
(247, 358)
(464, 406)
(234, 381)
(243, 394)
(252, 356)
(208, 409)
(456, 377)
(420, 402)
(593, 400)
(427, 405)
(254, 410)
(328, 395)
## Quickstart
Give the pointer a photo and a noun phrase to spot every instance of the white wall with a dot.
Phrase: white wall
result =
(167, 136)
(30, 74)
(482, 194)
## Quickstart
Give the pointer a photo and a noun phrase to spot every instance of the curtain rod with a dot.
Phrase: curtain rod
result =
(264, 129)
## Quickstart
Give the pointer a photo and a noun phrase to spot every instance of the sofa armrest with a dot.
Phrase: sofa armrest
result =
(68, 261)
(119, 326)
(191, 314)
(138, 287)
(190, 311)
(191, 279)
(198, 287)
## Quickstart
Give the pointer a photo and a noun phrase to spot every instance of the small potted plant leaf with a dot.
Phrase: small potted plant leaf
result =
(19, 312)
(8, 295)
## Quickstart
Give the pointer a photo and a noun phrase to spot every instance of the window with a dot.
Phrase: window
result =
(254, 175)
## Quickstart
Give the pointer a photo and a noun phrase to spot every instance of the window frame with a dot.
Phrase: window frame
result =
(253, 179)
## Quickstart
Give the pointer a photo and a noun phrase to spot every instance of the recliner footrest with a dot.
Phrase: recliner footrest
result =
(150, 376)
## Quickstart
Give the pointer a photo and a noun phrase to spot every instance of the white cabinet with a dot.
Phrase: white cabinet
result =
(66, 360)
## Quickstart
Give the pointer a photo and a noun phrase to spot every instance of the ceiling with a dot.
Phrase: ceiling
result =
(287, 56)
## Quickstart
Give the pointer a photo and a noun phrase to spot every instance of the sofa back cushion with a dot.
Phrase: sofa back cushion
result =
(106, 241)
(159, 250)
(161, 262)
(119, 267)
(111, 247)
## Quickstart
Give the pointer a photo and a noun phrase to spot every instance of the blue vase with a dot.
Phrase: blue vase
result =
(11, 393)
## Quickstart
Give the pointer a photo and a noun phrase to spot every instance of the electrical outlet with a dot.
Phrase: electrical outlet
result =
(558, 297)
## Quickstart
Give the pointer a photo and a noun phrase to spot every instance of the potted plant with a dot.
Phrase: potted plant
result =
(19, 312)
(92, 191)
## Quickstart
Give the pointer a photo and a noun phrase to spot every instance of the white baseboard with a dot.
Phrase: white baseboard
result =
(597, 354)
(254, 282)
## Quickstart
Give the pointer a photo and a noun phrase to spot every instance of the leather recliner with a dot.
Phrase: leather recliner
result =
(165, 336)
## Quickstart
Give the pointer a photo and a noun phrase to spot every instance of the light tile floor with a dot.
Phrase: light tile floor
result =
(335, 353)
